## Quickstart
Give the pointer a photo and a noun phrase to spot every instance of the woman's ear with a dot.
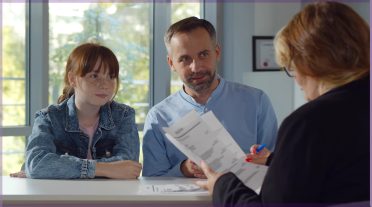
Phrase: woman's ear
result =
(71, 79)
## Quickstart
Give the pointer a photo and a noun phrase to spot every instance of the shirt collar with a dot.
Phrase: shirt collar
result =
(213, 96)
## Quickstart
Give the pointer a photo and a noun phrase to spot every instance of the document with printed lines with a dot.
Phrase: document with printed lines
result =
(204, 138)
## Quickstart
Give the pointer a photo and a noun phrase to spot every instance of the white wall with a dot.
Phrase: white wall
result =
(363, 9)
(240, 21)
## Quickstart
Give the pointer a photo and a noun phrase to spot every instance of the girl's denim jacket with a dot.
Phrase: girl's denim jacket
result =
(57, 148)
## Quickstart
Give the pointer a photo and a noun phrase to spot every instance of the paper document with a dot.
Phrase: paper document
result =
(172, 189)
(205, 138)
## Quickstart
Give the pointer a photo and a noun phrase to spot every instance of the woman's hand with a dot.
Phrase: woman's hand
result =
(211, 175)
(123, 169)
(258, 157)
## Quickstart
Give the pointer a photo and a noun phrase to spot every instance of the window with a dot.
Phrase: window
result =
(13, 100)
(122, 27)
(134, 31)
(181, 11)
(13, 105)
(13, 153)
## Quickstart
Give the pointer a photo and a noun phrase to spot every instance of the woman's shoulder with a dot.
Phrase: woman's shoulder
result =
(332, 109)
(311, 110)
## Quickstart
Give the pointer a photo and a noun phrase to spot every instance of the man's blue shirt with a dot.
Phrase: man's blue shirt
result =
(245, 112)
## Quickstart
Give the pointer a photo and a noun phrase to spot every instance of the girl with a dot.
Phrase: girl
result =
(87, 134)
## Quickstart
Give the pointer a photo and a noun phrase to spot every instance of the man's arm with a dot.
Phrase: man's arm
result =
(155, 159)
(267, 123)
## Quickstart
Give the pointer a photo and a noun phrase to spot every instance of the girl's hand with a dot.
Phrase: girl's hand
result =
(123, 169)
(20, 174)
(258, 157)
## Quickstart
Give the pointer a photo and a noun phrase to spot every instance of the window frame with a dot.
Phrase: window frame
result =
(37, 55)
(36, 67)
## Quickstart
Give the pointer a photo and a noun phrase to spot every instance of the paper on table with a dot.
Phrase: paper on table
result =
(205, 138)
(172, 189)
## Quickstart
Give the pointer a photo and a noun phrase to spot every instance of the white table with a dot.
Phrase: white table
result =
(96, 191)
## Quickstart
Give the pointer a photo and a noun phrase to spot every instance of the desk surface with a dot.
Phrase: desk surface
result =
(34, 191)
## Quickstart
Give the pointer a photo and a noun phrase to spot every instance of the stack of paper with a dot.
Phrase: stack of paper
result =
(205, 138)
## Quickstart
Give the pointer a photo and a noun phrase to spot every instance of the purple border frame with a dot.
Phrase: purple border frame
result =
(161, 1)
(176, 1)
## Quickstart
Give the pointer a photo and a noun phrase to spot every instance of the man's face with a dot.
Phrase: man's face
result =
(194, 57)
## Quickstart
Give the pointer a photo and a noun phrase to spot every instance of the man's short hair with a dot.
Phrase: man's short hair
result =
(187, 25)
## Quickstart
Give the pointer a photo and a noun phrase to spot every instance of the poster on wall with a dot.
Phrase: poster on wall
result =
(264, 54)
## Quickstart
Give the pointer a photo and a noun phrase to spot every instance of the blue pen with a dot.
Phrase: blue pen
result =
(260, 148)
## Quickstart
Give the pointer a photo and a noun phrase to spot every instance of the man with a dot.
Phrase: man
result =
(244, 111)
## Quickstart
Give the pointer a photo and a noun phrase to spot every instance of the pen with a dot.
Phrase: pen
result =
(260, 148)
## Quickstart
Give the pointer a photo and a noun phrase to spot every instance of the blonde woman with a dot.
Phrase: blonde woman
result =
(322, 151)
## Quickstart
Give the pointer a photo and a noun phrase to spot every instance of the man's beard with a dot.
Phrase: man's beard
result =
(201, 86)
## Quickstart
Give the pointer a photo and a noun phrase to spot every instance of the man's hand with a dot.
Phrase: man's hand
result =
(212, 178)
(190, 169)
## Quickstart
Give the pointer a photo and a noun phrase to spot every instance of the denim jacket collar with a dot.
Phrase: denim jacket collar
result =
(72, 123)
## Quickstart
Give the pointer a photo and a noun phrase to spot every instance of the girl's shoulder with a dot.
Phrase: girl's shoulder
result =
(52, 109)
(120, 108)
(53, 114)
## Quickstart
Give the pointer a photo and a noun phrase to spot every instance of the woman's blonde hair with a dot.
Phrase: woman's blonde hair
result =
(326, 40)
(83, 60)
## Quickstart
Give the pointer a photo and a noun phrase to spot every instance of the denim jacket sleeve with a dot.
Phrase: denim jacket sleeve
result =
(42, 161)
(126, 133)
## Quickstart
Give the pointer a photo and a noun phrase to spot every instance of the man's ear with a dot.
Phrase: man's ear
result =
(170, 63)
(218, 52)
(71, 79)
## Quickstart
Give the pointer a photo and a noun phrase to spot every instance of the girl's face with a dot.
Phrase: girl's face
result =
(96, 88)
